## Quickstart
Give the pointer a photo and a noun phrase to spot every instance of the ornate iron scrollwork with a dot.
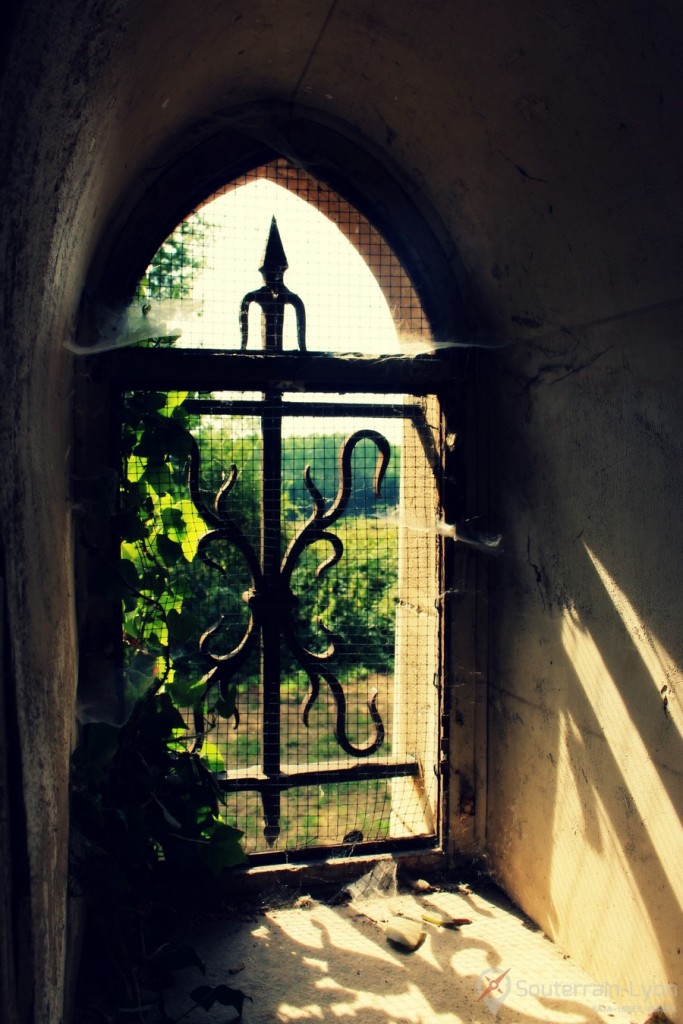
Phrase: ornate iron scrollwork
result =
(259, 597)
(316, 529)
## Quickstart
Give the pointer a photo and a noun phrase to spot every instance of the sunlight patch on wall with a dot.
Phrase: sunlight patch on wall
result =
(659, 664)
(655, 809)
(591, 870)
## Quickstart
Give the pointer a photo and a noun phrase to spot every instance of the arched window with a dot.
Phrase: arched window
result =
(281, 447)
(358, 296)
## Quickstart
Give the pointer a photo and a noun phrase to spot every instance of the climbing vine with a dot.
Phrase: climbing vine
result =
(147, 834)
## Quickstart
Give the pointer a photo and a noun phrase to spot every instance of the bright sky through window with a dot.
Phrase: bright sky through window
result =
(345, 308)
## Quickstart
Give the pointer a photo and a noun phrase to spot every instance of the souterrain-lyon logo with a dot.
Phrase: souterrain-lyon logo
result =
(493, 989)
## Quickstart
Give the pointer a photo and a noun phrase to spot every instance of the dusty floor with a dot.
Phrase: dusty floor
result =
(312, 961)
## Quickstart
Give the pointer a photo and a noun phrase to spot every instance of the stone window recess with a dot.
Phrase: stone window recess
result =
(294, 525)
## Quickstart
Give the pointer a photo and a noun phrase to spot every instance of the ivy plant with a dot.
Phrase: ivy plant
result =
(146, 836)
(147, 831)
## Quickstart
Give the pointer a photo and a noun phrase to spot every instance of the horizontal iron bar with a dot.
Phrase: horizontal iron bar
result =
(254, 778)
(254, 407)
(303, 854)
(209, 370)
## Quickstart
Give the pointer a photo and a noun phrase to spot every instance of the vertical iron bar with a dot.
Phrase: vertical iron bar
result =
(271, 480)
(272, 297)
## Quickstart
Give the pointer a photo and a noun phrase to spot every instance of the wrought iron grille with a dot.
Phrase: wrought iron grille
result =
(292, 523)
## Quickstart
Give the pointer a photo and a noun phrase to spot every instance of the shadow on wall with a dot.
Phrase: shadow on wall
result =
(586, 729)
(612, 853)
(627, 805)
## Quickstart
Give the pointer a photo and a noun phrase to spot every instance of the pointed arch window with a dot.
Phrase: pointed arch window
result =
(292, 515)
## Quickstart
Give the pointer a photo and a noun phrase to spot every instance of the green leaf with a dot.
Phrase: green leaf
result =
(159, 720)
(174, 399)
(191, 696)
(147, 401)
(225, 706)
(134, 490)
(168, 817)
(139, 674)
(182, 627)
(223, 849)
(172, 518)
(205, 996)
(170, 551)
(172, 957)
(159, 478)
(129, 573)
(212, 757)
(130, 526)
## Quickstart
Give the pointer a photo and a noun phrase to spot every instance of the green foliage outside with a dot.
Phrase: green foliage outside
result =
(320, 452)
(174, 596)
(171, 272)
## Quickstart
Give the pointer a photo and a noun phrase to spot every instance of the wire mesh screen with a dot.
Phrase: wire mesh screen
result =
(279, 547)
(194, 286)
(288, 658)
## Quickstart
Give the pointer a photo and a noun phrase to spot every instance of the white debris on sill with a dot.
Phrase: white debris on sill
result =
(313, 961)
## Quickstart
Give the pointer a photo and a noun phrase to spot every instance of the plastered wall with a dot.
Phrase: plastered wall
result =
(540, 144)
(585, 730)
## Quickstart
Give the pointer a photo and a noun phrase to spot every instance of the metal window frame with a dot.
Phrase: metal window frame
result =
(234, 371)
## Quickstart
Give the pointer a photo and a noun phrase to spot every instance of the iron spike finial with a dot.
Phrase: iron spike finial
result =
(272, 297)
(274, 258)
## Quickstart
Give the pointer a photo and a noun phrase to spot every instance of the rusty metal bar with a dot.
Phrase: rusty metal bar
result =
(271, 542)
(253, 407)
(251, 778)
(171, 369)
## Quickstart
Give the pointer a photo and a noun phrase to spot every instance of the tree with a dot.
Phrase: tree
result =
(173, 267)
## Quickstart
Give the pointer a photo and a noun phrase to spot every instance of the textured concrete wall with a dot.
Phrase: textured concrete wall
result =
(541, 144)
(585, 788)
